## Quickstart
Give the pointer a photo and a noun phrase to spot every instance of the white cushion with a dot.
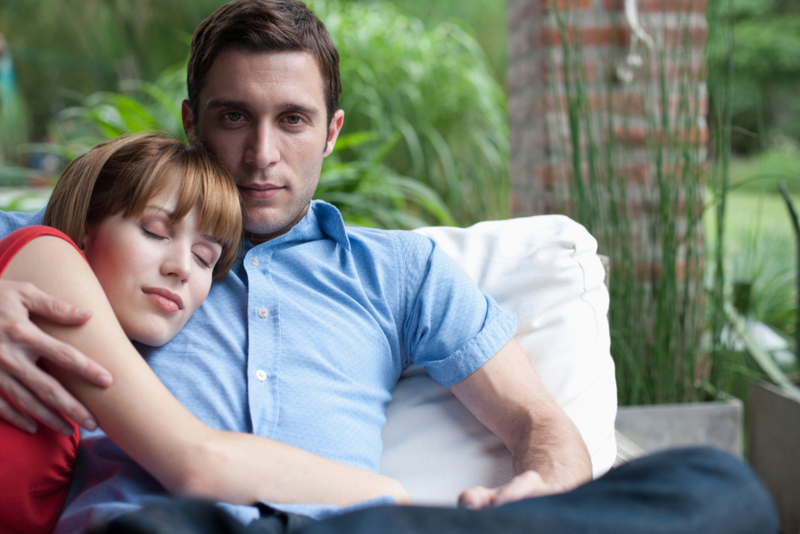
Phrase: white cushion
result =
(546, 270)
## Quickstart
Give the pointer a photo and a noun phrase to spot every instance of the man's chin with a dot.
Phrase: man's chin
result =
(269, 224)
(260, 231)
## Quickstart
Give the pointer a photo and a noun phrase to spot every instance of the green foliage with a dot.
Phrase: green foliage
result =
(761, 173)
(13, 127)
(434, 87)
(760, 248)
(91, 45)
(765, 39)
(486, 19)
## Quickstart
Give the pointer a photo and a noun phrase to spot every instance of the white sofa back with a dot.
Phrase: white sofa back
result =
(545, 269)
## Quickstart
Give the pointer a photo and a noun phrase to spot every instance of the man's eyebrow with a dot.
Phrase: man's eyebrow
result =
(292, 107)
(218, 104)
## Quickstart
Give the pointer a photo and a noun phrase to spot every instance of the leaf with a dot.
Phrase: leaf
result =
(762, 357)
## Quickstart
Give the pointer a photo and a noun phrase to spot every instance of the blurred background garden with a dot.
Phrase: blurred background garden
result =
(426, 141)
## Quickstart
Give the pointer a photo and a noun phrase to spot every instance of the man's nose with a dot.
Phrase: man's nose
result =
(262, 150)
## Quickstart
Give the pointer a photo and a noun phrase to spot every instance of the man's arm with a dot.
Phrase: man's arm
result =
(34, 394)
(509, 398)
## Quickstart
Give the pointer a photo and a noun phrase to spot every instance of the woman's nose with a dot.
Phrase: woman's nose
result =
(178, 263)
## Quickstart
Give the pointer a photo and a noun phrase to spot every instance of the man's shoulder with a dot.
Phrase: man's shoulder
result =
(10, 221)
(377, 236)
(395, 245)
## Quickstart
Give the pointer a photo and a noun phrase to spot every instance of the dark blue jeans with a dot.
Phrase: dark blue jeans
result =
(695, 490)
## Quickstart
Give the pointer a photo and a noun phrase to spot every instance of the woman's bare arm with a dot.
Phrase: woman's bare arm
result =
(149, 424)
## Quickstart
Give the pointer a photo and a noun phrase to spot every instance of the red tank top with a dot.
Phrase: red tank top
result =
(35, 469)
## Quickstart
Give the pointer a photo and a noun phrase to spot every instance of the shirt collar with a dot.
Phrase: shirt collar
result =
(322, 221)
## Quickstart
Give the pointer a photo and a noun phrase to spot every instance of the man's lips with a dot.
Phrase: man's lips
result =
(164, 299)
(260, 191)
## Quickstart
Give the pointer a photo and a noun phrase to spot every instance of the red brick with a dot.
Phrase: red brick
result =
(631, 136)
(587, 36)
(629, 104)
(659, 6)
(555, 71)
(695, 36)
(567, 5)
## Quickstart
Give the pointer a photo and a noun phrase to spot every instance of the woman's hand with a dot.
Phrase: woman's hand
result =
(34, 394)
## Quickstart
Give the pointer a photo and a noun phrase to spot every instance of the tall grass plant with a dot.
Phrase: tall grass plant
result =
(649, 226)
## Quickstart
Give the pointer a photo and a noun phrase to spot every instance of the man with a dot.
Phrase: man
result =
(306, 338)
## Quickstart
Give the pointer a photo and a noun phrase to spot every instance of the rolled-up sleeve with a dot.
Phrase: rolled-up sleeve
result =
(450, 327)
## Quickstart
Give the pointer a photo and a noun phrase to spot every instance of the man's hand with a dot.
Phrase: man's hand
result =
(507, 396)
(523, 486)
(33, 393)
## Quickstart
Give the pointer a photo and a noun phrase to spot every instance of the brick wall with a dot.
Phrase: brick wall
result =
(616, 138)
(598, 32)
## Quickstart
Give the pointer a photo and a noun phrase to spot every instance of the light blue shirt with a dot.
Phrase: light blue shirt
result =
(303, 342)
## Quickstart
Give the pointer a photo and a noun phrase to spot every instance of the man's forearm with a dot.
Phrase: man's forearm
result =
(507, 396)
(549, 444)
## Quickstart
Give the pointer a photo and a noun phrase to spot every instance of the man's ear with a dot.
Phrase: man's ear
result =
(333, 131)
(187, 117)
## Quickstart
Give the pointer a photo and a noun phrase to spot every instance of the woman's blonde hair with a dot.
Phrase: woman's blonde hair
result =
(122, 175)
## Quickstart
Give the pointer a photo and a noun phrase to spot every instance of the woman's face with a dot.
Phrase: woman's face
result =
(155, 273)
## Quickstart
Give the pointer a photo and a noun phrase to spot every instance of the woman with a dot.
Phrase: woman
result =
(156, 220)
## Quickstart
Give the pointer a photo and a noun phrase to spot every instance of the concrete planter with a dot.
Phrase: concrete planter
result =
(774, 448)
(667, 426)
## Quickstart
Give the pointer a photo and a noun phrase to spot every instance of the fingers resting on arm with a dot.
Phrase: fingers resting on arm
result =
(523, 486)
(32, 394)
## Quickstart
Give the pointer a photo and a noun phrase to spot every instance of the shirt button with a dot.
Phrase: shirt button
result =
(254, 261)
(263, 312)
(261, 375)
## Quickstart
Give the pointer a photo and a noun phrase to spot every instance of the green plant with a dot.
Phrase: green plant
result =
(435, 88)
(13, 127)
(650, 227)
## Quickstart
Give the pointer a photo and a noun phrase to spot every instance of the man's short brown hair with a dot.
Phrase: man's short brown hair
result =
(263, 26)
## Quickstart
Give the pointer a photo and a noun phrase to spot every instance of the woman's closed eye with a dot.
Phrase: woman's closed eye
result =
(207, 254)
(207, 263)
(152, 235)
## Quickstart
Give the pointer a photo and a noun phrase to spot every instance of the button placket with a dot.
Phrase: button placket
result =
(264, 333)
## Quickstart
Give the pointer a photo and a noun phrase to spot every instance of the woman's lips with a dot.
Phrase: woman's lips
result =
(164, 299)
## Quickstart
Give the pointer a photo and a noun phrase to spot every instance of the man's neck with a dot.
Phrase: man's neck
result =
(257, 239)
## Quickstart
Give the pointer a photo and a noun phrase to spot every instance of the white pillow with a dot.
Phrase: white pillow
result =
(546, 270)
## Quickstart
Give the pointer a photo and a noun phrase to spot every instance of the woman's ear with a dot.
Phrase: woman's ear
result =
(88, 237)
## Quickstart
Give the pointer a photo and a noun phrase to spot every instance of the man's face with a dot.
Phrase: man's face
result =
(264, 115)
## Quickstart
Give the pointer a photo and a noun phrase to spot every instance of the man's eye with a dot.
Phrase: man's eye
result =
(234, 116)
(293, 119)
